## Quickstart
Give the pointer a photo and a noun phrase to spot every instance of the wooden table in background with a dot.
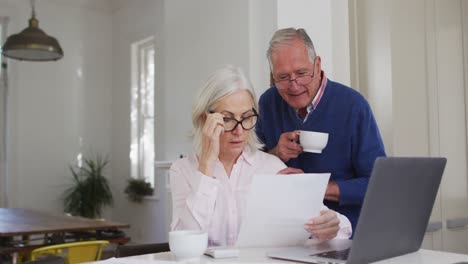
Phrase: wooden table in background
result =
(17, 225)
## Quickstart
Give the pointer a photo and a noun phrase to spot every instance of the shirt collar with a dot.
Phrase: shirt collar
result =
(313, 105)
(248, 155)
(318, 96)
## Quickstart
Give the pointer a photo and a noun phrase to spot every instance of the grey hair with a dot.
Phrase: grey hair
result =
(223, 82)
(287, 36)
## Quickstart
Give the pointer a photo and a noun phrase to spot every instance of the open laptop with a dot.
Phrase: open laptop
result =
(394, 215)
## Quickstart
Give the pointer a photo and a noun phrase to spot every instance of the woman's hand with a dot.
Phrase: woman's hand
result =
(212, 130)
(325, 226)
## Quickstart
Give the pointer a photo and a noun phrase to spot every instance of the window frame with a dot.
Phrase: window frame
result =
(142, 110)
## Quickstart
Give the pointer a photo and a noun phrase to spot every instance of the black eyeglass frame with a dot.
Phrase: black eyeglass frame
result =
(239, 121)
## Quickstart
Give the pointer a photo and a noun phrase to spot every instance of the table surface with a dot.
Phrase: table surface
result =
(19, 221)
(258, 255)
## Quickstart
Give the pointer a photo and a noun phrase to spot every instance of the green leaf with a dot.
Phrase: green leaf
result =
(90, 191)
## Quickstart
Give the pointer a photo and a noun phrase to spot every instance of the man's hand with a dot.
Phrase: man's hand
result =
(333, 192)
(287, 147)
(290, 170)
(325, 226)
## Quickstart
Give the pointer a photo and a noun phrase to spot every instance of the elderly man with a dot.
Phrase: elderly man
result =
(302, 98)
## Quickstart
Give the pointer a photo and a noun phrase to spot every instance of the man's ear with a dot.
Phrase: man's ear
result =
(318, 65)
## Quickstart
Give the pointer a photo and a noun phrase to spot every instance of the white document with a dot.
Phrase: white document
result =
(278, 206)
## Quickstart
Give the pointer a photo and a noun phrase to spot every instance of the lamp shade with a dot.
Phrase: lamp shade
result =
(32, 44)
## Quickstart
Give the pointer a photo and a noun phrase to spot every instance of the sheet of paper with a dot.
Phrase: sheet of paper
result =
(278, 206)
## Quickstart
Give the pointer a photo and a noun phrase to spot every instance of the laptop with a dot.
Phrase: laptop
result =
(393, 219)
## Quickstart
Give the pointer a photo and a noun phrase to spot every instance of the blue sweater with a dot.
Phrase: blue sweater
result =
(354, 141)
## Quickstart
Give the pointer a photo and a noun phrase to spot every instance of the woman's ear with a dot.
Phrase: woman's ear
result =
(203, 118)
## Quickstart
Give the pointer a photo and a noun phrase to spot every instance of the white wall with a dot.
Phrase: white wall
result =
(411, 69)
(262, 24)
(452, 130)
(326, 22)
(57, 109)
(199, 37)
(374, 66)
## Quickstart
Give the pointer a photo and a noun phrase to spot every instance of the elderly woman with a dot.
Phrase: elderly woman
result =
(209, 187)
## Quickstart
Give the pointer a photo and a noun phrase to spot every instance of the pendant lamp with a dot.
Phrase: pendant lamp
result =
(32, 44)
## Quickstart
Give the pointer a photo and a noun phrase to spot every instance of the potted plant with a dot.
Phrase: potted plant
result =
(138, 188)
(90, 191)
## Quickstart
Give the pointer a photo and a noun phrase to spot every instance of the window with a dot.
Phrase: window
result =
(142, 110)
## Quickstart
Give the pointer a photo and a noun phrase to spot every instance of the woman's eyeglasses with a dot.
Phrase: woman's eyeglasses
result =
(246, 123)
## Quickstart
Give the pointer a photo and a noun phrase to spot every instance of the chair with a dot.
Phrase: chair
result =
(76, 252)
(140, 249)
(47, 260)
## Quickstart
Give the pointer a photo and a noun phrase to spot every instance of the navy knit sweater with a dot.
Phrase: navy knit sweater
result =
(354, 141)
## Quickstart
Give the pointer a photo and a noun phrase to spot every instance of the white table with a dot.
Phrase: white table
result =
(257, 255)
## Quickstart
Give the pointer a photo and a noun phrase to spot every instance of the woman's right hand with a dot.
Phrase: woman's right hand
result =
(212, 130)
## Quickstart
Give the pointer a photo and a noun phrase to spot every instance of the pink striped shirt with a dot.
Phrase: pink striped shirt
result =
(318, 96)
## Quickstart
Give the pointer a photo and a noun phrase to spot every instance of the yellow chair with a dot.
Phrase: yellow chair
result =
(76, 252)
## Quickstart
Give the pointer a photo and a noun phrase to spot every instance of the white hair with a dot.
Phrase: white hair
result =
(287, 36)
(223, 82)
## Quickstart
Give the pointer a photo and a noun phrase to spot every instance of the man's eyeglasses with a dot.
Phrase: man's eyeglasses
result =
(247, 123)
(302, 80)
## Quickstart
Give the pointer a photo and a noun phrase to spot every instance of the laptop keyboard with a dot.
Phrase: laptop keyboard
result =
(335, 254)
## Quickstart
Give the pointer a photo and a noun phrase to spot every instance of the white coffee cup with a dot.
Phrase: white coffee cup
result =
(312, 141)
(188, 244)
